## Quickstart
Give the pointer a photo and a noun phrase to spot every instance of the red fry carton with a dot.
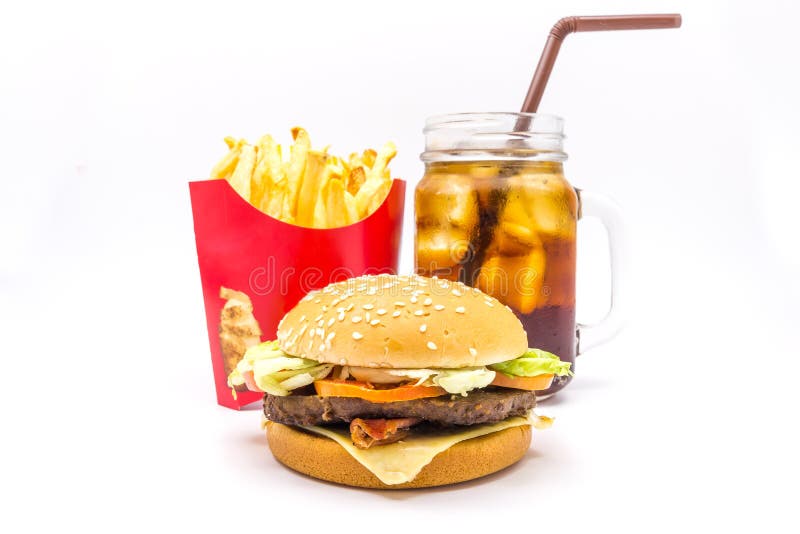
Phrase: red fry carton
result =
(255, 268)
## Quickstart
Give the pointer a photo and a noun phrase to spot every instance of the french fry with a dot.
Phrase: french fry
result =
(316, 174)
(350, 208)
(262, 180)
(224, 169)
(355, 179)
(296, 170)
(354, 161)
(377, 170)
(259, 181)
(240, 180)
(271, 166)
(320, 217)
(339, 168)
(372, 192)
(371, 196)
(276, 201)
(368, 158)
(333, 194)
(285, 213)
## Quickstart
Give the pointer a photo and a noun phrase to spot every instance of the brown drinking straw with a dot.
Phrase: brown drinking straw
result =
(489, 217)
(568, 25)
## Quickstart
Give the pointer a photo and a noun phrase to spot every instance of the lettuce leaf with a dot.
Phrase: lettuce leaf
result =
(533, 363)
(276, 372)
(460, 381)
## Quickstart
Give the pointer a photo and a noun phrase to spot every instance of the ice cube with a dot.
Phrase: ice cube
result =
(553, 205)
(515, 281)
(452, 199)
(440, 248)
(513, 239)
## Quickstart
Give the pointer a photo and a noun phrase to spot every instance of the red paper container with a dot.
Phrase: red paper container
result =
(276, 264)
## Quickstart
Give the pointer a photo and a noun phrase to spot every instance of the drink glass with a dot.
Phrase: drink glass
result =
(495, 211)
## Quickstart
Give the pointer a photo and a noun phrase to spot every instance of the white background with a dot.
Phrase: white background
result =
(685, 422)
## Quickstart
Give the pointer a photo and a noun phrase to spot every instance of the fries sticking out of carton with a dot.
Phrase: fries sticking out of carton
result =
(312, 188)
(275, 222)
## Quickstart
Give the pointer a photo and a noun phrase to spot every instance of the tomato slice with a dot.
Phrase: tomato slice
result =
(363, 390)
(250, 381)
(531, 383)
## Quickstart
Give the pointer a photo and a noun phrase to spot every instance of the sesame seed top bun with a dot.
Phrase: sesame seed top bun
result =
(402, 322)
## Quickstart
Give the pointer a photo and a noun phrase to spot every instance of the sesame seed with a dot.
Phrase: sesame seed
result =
(423, 327)
(341, 316)
(473, 352)
(302, 318)
(428, 301)
(438, 307)
(321, 322)
(331, 321)
(356, 319)
(357, 336)
(320, 332)
(330, 336)
(413, 299)
(324, 308)
(490, 303)
(322, 347)
(431, 345)
(396, 313)
(367, 306)
(381, 311)
(456, 292)
(399, 303)
(366, 317)
(342, 362)
(349, 307)
(418, 313)
(318, 317)
(311, 333)
(461, 309)
(375, 322)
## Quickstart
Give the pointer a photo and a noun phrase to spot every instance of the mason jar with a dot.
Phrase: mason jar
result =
(495, 211)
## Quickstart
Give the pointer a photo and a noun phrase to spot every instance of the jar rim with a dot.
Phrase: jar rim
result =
(543, 122)
(494, 135)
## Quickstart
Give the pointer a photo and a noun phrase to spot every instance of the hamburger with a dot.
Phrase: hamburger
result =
(398, 381)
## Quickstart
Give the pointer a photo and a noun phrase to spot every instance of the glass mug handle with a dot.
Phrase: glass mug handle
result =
(610, 214)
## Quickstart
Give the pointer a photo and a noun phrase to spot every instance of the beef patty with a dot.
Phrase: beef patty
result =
(483, 406)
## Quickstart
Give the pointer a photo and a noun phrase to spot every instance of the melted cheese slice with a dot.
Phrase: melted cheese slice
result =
(401, 461)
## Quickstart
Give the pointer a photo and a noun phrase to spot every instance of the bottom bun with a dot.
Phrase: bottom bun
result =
(325, 459)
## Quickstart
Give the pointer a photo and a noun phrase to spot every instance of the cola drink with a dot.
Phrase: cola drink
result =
(508, 227)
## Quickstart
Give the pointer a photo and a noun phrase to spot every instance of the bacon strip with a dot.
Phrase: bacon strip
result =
(368, 432)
